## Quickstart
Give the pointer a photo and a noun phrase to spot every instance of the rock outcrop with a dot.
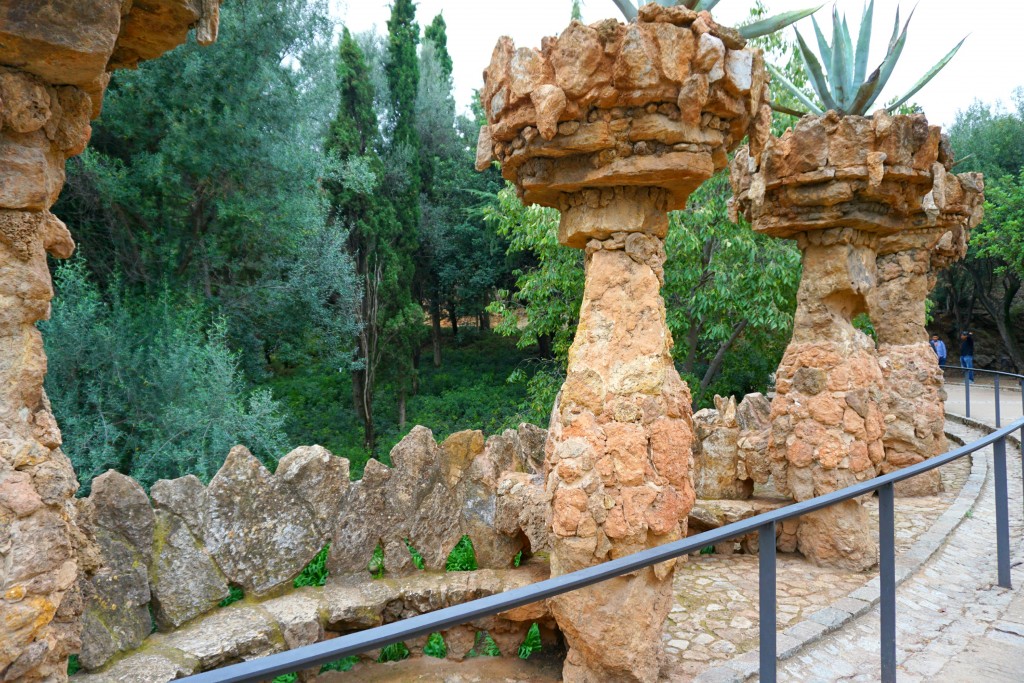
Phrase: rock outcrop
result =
(615, 125)
(54, 66)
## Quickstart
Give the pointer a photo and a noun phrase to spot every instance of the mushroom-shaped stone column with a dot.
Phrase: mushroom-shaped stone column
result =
(615, 125)
(836, 185)
(908, 262)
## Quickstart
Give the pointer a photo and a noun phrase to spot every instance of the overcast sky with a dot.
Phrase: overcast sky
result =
(988, 66)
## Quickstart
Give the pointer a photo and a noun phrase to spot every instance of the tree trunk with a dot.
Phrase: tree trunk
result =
(716, 362)
(401, 409)
(435, 331)
(544, 346)
(485, 320)
(453, 316)
(1001, 312)
(362, 399)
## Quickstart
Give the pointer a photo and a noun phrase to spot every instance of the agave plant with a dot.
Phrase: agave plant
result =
(841, 85)
(629, 9)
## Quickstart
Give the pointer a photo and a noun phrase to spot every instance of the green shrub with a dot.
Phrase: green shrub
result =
(314, 573)
(435, 646)
(343, 664)
(235, 593)
(394, 652)
(462, 558)
(531, 643)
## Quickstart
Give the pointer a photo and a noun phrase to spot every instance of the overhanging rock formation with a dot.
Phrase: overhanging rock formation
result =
(55, 62)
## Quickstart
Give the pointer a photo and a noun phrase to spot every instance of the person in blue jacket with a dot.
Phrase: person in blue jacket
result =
(939, 347)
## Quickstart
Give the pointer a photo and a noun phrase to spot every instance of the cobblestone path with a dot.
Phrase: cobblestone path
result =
(940, 611)
(716, 618)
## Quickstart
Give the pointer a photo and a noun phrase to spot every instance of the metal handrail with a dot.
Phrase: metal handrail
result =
(323, 652)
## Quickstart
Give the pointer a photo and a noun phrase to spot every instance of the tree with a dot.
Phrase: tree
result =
(203, 174)
(992, 141)
(375, 234)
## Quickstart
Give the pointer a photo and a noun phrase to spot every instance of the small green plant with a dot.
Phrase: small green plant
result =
(73, 665)
(235, 593)
(314, 573)
(417, 559)
(435, 646)
(462, 557)
(376, 565)
(531, 643)
(394, 652)
(343, 664)
(286, 678)
(630, 9)
(518, 559)
(707, 550)
(969, 514)
(841, 84)
(484, 646)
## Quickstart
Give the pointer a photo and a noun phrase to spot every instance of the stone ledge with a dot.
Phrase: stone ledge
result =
(807, 631)
(252, 628)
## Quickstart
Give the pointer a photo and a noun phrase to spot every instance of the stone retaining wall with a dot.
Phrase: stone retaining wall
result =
(176, 553)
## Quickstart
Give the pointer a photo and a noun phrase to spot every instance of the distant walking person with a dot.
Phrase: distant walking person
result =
(939, 348)
(967, 354)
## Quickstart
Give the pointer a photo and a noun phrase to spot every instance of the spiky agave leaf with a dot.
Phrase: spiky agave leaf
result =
(864, 43)
(788, 85)
(928, 76)
(775, 23)
(892, 55)
(816, 76)
(705, 5)
(627, 8)
(838, 70)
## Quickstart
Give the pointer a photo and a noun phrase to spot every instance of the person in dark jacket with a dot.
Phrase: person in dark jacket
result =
(967, 354)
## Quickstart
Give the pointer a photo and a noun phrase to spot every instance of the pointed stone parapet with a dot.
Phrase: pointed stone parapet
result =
(615, 125)
(838, 185)
(908, 264)
(55, 59)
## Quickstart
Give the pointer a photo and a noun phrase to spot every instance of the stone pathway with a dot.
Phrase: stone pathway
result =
(716, 615)
(952, 599)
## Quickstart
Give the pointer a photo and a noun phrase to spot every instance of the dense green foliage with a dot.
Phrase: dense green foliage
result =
(991, 140)
(314, 573)
(149, 385)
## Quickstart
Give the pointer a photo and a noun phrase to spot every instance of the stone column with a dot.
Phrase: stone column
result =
(826, 419)
(53, 85)
(616, 124)
(620, 442)
(838, 185)
(908, 263)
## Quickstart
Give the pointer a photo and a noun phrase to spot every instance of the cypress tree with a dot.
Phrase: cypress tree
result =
(437, 33)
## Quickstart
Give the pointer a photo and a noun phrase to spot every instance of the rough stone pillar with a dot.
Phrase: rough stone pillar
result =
(620, 442)
(53, 69)
(616, 124)
(838, 185)
(908, 263)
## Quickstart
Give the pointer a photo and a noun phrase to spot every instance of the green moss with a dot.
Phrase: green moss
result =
(73, 665)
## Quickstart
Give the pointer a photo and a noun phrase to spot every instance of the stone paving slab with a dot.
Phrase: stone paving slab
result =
(712, 633)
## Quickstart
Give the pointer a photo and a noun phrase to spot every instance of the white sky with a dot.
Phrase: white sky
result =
(988, 66)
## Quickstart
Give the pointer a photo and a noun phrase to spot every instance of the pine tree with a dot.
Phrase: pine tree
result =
(375, 234)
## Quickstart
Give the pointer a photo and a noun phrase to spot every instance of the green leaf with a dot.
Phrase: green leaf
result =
(865, 93)
(823, 47)
(705, 5)
(806, 101)
(839, 71)
(817, 77)
(892, 56)
(864, 43)
(627, 8)
(928, 76)
(850, 62)
(775, 23)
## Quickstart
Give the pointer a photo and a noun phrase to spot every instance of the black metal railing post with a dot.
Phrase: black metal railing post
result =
(887, 580)
(766, 600)
(1002, 514)
(996, 381)
(967, 395)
